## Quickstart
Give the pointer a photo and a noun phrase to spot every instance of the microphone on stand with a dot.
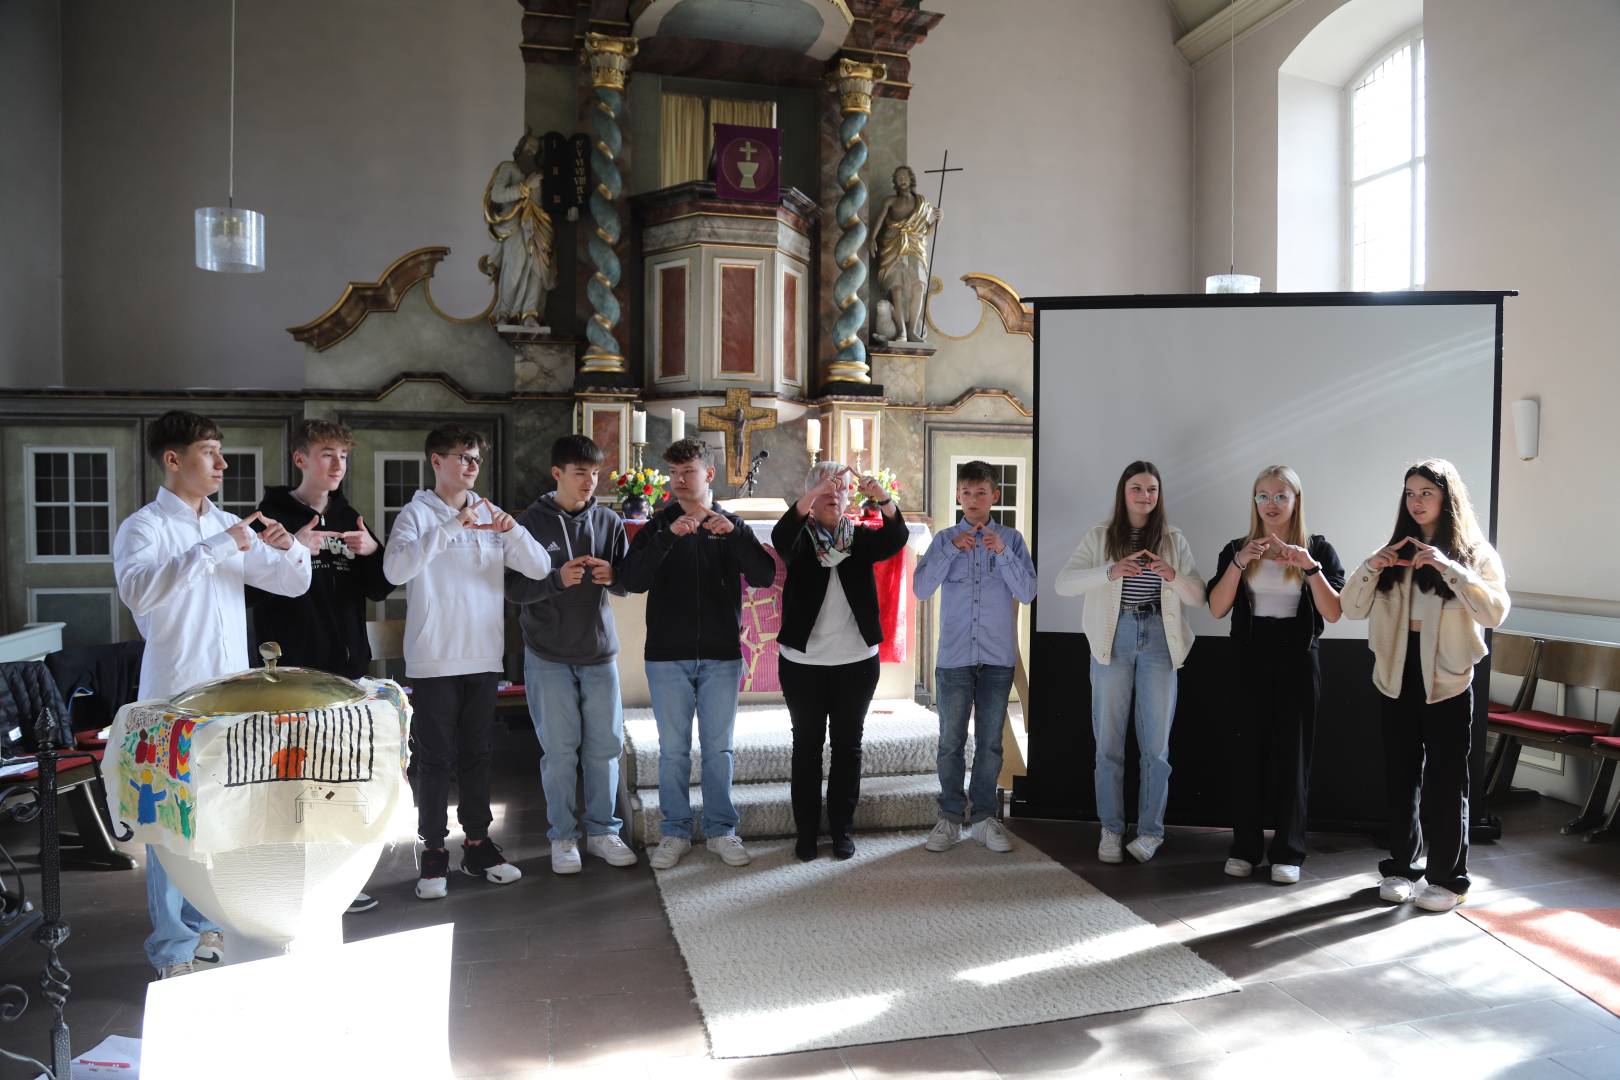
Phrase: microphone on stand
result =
(753, 473)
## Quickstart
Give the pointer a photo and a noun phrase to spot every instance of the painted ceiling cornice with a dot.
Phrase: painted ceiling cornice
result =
(1211, 35)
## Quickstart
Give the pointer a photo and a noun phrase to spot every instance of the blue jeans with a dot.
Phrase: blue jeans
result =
(578, 719)
(1141, 661)
(175, 923)
(710, 688)
(982, 689)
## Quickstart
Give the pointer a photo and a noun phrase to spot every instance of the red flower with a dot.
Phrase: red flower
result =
(647, 489)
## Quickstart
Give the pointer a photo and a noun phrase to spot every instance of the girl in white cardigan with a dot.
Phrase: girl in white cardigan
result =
(1135, 572)
(1429, 595)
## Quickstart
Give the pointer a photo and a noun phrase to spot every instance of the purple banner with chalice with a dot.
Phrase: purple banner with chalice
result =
(747, 162)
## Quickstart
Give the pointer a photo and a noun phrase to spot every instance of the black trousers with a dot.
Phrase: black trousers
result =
(1426, 751)
(1271, 742)
(825, 701)
(450, 730)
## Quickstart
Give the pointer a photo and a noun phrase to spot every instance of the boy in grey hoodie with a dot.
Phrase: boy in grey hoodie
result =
(570, 649)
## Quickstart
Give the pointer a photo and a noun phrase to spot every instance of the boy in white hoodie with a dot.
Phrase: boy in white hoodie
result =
(450, 549)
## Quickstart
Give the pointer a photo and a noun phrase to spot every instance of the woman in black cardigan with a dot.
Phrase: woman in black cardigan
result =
(829, 643)
(1281, 584)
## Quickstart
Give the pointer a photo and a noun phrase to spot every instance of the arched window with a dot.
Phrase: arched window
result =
(1386, 169)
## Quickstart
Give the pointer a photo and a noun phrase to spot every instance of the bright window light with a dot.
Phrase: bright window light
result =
(1387, 146)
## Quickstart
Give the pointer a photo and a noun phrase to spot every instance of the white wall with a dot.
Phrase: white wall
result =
(1310, 163)
(1524, 160)
(363, 130)
(1073, 123)
(31, 180)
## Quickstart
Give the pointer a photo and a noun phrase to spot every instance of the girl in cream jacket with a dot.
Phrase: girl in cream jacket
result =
(1429, 596)
(1135, 572)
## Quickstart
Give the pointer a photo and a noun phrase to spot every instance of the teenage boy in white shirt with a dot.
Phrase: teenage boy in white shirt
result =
(181, 564)
(451, 548)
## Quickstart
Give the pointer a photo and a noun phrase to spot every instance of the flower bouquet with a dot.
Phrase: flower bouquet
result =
(858, 504)
(635, 488)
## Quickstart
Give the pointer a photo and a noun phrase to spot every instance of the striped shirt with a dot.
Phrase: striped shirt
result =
(1144, 587)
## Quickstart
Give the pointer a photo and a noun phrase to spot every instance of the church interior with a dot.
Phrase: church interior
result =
(801, 232)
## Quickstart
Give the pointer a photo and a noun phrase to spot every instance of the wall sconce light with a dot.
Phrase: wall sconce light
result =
(1527, 427)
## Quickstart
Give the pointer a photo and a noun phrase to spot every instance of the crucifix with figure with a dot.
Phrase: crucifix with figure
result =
(738, 418)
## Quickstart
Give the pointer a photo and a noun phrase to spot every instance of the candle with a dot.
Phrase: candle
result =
(677, 425)
(857, 436)
(812, 436)
(638, 427)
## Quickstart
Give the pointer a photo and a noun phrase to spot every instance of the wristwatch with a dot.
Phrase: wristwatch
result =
(1313, 571)
(884, 502)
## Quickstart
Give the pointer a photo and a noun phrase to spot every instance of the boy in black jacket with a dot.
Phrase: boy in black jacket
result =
(689, 558)
(570, 655)
(325, 628)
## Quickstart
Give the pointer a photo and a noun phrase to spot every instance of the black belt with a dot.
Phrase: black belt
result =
(1144, 606)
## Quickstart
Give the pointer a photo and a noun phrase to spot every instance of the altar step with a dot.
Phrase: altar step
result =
(899, 786)
(765, 810)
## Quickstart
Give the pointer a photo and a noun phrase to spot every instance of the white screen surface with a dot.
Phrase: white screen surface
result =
(1347, 395)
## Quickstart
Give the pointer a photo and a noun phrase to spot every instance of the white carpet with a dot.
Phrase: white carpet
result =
(902, 943)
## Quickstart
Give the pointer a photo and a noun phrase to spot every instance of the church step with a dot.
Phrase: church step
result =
(765, 810)
(900, 737)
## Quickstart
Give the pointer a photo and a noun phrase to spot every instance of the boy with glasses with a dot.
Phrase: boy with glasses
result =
(691, 560)
(451, 549)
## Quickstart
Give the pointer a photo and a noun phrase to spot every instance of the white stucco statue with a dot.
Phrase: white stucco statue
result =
(523, 263)
(900, 250)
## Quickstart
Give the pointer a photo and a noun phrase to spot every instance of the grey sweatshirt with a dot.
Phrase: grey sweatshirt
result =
(571, 625)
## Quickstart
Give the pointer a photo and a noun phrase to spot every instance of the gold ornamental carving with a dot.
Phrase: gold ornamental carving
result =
(853, 80)
(609, 58)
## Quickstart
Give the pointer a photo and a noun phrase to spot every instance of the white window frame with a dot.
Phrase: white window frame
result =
(257, 454)
(1021, 508)
(108, 591)
(30, 453)
(1419, 217)
(378, 459)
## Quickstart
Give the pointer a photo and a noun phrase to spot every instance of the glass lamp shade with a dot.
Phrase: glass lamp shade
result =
(230, 240)
(1228, 283)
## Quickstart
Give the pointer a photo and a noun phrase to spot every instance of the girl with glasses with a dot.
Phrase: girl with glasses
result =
(1135, 571)
(1429, 595)
(1281, 585)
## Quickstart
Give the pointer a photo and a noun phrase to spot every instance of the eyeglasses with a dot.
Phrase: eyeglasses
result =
(1261, 498)
(469, 461)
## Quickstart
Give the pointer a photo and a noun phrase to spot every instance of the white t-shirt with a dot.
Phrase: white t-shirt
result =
(835, 639)
(1274, 596)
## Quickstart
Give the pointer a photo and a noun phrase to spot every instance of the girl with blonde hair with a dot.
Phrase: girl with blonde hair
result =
(1281, 585)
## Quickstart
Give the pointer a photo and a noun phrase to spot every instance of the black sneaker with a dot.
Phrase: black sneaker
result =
(432, 883)
(486, 861)
(843, 847)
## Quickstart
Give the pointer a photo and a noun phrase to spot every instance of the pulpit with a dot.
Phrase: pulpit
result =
(727, 287)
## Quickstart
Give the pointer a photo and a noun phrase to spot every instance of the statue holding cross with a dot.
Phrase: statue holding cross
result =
(903, 254)
(738, 418)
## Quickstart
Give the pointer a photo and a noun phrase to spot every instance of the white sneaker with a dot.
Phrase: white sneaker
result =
(1110, 849)
(210, 951)
(1238, 868)
(610, 849)
(432, 888)
(945, 835)
(992, 834)
(1435, 898)
(1397, 890)
(1284, 874)
(1144, 848)
(174, 971)
(730, 849)
(565, 856)
(669, 852)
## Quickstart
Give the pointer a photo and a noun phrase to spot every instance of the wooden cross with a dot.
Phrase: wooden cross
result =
(738, 419)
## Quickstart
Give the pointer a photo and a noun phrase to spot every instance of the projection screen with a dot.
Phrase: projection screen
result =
(1348, 389)
(1347, 394)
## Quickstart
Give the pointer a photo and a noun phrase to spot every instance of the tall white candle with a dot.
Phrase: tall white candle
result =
(812, 436)
(638, 427)
(677, 425)
(857, 436)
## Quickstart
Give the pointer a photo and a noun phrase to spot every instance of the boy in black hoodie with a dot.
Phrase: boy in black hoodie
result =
(325, 628)
(570, 654)
(691, 559)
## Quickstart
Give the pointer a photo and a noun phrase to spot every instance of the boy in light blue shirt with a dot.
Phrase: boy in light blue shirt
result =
(983, 571)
